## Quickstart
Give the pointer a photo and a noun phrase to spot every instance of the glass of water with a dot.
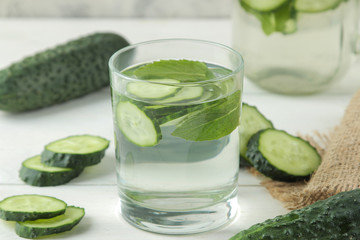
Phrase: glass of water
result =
(296, 46)
(176, 108)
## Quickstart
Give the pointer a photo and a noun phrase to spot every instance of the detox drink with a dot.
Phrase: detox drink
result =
(177, 144)
(295, 46)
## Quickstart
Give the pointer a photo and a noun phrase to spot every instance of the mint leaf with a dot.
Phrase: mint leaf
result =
(183, 70)
(267, 19)
(213, 122)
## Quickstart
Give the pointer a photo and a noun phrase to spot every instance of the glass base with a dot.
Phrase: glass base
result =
(291, 81)
(180, 222)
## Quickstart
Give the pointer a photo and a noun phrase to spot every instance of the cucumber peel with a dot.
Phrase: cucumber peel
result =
(42, 227)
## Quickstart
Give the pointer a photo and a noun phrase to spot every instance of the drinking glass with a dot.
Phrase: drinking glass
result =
(296, 47)
(176, 107)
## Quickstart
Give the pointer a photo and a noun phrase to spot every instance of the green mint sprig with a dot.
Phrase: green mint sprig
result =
(213, 122)
(182, 70)
(206, 121)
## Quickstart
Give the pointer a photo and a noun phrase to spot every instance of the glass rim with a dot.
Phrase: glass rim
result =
(238, 68)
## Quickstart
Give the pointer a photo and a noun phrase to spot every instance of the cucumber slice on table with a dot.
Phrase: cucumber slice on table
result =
(265, 5)
(281, 156)
(252, 121)
(30, 207)
(58, 224)
(75, 151)
(315, 6)
(136, 125)
(152, 89)
(35, 173)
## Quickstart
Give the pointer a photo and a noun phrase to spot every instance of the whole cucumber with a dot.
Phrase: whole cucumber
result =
(337, 217)
(56, 75)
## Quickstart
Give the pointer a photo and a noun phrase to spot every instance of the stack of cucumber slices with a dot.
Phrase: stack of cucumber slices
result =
(274, 153)
(39, 215)
(63, 160)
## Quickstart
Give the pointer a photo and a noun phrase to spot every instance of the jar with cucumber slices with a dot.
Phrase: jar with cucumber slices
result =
(296, 47)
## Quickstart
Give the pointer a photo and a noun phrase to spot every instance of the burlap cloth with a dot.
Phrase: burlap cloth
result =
(340, 167)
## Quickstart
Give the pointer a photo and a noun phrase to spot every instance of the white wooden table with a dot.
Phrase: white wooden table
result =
(24, 135)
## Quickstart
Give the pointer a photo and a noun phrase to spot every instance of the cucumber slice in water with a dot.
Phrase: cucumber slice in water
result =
(252, 121)
(184, 95)
(179, 112)
(281, 156)
(75, 151)
(152, 89)
(30, 207)
(58, 224)
(173, 121)
(265, 5)
(136, 125)
(167, 113)
(315, 6)
(282, 19)
(35, 173)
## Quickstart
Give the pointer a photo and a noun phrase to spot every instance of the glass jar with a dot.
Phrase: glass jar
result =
(296, 47)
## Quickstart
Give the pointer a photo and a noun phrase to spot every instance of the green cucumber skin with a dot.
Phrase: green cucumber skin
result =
(42, 179)
(68, 160)
(244, 163)
(25, 216)
(260, 163)
(29, 232)
(59, 74)
(337, 217)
